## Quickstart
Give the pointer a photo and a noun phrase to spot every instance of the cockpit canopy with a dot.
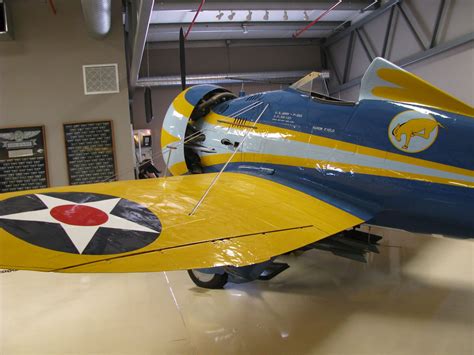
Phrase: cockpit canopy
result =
(314, 84)
(306, 83)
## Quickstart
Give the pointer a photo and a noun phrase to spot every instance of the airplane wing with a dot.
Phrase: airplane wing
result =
(144, 225)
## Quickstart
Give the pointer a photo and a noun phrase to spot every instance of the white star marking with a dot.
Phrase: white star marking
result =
(80, 235)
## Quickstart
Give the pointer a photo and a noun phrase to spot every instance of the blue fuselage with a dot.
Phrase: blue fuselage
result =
(359, 160)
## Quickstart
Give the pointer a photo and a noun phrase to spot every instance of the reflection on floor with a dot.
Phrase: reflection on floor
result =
(415, 297)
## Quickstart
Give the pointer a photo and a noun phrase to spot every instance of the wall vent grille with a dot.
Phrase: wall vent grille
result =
(100, 79)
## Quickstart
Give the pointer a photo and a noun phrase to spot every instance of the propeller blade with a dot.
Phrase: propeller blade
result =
(148, 105)
(182, 59)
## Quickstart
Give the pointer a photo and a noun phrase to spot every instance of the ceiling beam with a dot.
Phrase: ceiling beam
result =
(417, 57)
(278, 77)
(260, 5)
(224, 25)
(238, 43)
(145, 10)
(374, 14)
(256, 30)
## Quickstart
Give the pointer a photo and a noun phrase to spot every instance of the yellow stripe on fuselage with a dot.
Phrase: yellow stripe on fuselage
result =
(212, 118)
(252, 157)
(185, 108)
(292, 135)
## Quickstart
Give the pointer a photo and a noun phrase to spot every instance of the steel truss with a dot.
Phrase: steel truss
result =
(355, 32)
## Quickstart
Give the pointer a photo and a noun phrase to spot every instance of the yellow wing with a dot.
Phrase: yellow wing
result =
(144, 225)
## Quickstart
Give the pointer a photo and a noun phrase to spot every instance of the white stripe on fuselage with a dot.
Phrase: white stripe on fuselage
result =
(277, 144)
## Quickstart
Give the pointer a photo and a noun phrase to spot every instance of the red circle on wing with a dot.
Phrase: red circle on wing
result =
(79, 215)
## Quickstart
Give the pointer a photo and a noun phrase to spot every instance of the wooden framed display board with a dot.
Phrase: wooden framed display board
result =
(23, 163)
(90, 152)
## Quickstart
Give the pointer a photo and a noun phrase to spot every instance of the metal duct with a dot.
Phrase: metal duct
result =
(98, 16)
(286, 77)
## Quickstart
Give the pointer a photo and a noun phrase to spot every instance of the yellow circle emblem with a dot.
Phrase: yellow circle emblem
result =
(413, 131)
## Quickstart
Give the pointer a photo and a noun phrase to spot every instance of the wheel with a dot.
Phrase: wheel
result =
(213, 281)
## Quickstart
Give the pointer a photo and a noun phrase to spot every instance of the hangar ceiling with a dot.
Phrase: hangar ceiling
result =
(220, 20)
(222, 23)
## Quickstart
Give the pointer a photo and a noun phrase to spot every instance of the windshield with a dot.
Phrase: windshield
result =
(305, 84)
(314, 84)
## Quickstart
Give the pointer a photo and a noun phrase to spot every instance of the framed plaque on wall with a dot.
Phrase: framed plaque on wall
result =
(23, 164)
(90, 152)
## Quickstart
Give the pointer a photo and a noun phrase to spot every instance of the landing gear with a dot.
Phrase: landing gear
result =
(205, 280)
(217, 277)
(351, 244)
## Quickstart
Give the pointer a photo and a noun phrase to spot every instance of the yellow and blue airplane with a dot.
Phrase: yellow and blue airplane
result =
(258, 176)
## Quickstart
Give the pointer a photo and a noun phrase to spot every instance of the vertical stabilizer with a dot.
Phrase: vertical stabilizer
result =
(384, 80)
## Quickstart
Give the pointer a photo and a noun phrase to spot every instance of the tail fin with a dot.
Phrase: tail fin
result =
(385, 81)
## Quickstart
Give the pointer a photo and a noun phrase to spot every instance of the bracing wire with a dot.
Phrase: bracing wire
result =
(216, 178)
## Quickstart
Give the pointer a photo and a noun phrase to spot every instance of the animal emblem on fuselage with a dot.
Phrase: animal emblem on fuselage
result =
(413, 131)
(420, 127)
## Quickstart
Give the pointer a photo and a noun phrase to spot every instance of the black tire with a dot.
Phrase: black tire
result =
(214, 281)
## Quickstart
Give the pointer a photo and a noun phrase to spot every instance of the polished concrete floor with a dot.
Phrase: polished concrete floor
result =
(415, 297)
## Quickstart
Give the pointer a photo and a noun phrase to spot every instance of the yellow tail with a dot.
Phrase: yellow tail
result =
(385, 81)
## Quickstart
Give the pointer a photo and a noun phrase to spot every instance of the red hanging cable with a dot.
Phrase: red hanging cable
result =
(297, 33)
(51, 3)
(194, 19)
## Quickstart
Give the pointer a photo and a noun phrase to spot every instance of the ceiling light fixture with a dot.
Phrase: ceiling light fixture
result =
(266, 16)
(305, 16)
(231, 16)
(285, 15)
(249, 16)
(219, 15)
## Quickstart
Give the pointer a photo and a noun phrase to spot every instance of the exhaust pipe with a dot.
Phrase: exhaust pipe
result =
(98, 16)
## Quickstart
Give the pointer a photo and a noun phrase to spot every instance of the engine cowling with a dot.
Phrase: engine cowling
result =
(189, 106)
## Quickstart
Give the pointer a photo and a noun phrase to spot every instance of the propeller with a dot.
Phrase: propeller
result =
(148, 105)
(182, 59)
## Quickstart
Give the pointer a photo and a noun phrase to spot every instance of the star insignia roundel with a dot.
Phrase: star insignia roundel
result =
(80, 223)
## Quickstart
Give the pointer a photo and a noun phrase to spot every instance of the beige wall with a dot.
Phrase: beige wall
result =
(41, 78)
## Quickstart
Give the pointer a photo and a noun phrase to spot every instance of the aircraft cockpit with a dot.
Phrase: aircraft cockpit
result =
(315, 85)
